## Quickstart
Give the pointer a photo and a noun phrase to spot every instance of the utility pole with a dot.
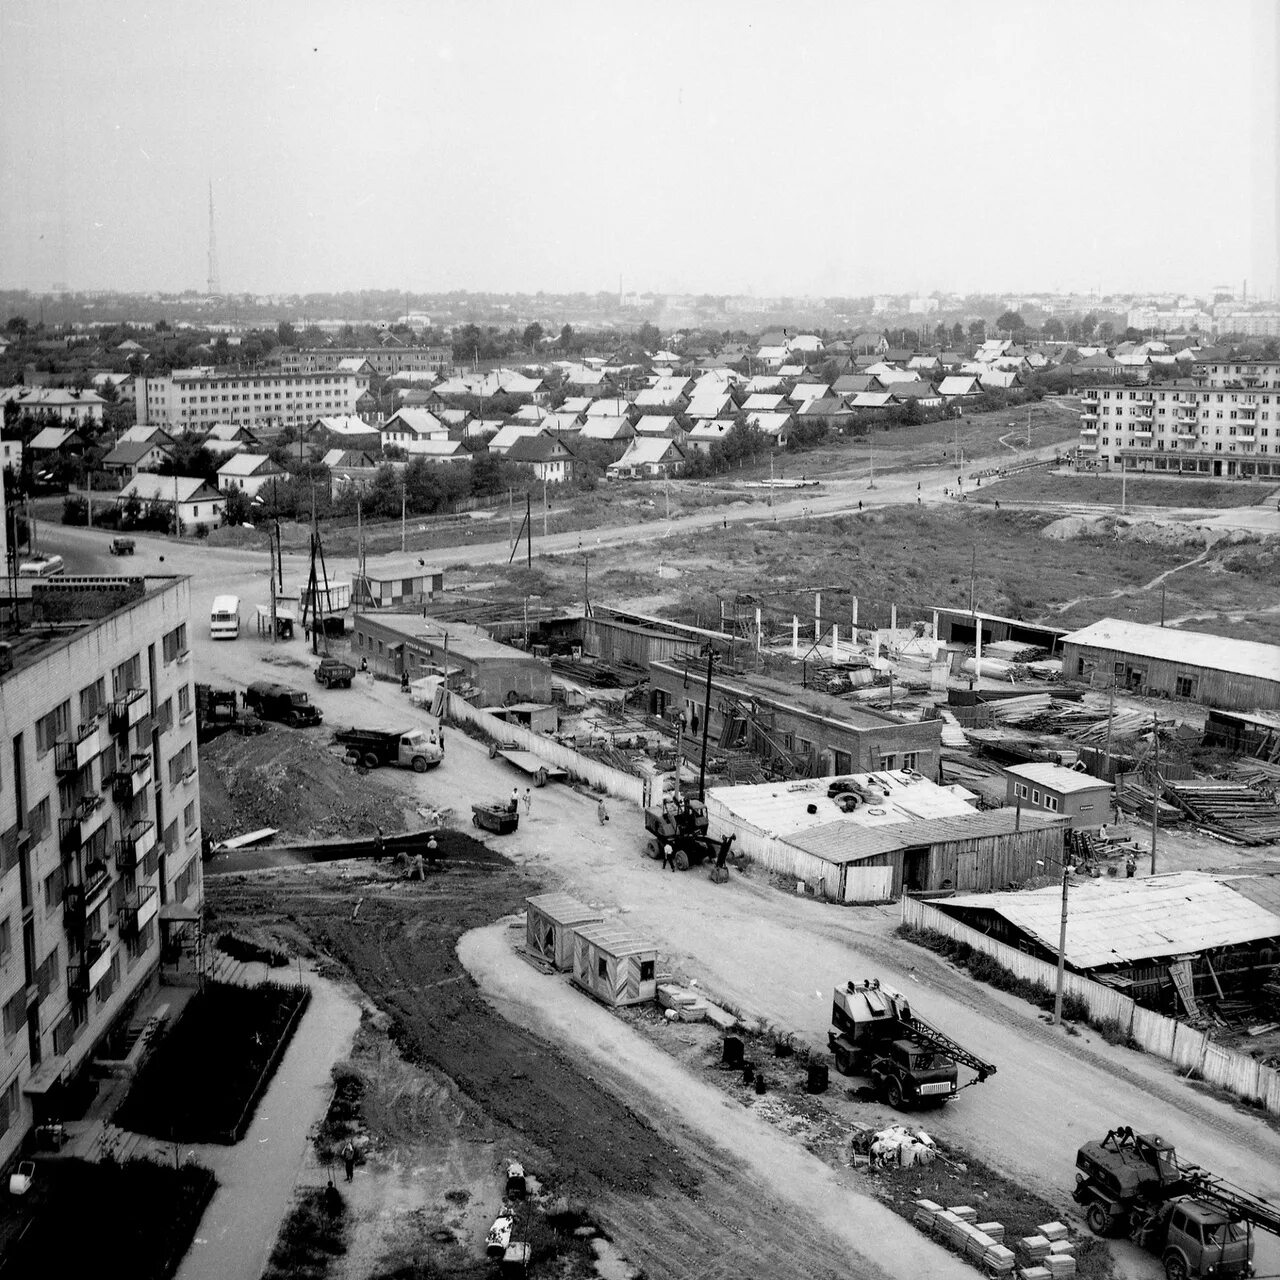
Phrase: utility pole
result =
(706, 725)
(871, 445)
(545, 506)
(1111, 706)
(1062, 949)
(1155, 792)
(528, 520)
(511, 535)
(404, 502)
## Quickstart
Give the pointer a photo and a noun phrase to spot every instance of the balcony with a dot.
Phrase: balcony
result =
(132, 781)
(1088, 431)
(139, 909)
(71, 757)
(1090, 415)
(1142, 429)
(1087, 446)
(1181, 432)
(84, 974)
(1144, 402)
(134, 846)
(1248, 412)
(128, 711)
(88, 818)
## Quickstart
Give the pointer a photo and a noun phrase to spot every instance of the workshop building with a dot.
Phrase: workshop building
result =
(1053, 788)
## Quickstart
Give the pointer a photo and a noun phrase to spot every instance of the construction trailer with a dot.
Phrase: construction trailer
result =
(615, 965)
(550, 922)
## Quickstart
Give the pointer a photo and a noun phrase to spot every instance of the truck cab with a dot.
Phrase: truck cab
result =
(1201, 1240)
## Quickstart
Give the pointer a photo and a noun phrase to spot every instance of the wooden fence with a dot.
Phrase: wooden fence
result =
(595, 773)
(1188, 1049)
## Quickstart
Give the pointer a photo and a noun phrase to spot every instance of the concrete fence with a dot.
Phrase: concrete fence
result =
(1188, 1049)
(595, 773)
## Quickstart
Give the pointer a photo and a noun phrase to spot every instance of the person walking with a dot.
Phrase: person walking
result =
(514, 803)
(1130, 866)
(349, 1160)
(722, 855)
(364, 665)
(668, 856)
(601, 812)
(528, 802)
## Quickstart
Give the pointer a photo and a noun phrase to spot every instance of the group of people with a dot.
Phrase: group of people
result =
(514, 803)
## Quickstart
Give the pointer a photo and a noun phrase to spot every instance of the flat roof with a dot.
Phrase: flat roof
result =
(1185, 648)
(465, 640)
(386, 568)
(1057, 777)
(1121, 921)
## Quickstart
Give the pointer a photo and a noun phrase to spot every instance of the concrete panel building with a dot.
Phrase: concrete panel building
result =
(100, 813)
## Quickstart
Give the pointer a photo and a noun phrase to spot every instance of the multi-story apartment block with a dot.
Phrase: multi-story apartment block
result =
(196, 399)
(387, 361)
(1224, 420)
(100, 816)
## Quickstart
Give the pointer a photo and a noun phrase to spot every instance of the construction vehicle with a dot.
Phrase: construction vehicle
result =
(217, 711)
(910, 1062)
(279, 702)
(416, 749)
(1201, 1226)
(333, 672)
(681, 823)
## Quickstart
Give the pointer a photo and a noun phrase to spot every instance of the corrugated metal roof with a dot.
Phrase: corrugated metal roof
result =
(1187, 648)
(615, 940)
(847, 841)
(1057, 777)
(563, 908)
(1120, 921)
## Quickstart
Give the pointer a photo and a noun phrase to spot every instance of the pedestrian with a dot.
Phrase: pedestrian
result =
(514, 805)
(918, 500)
(432, 850)
(1130, 866)
(917, 486)
(722, 855)
(959, 481)
(997, 504)
(404, 681)
(601, 812)
(668, 856)
(349, 1160)
(364, 665)
(528, 802)
(1102, 833)
(859, 504)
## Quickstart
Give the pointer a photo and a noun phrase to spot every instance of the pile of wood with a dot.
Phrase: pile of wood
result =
(1134, 796)
(1228, 809)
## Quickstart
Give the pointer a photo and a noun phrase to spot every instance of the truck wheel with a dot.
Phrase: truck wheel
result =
(475, 821)
(419, 764)
(493, 751)
(540, 778)
(682, 860)
(1175, 1267)
(651, 850)
(1098, 1218)
(893, 1092)
(370, 760)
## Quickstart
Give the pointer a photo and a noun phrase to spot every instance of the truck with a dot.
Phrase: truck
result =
(682, 824)
(1200, 1225)
(334, 673)
(279, 702)
(416, 749)
(910, 1063)
(217, 710)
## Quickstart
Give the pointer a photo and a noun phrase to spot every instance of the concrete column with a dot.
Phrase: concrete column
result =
(935, 630)
(893, 617)
(855, 613)
(977, 650)
(835, 642)
(795, 636)
(817, 616)
(758, 637)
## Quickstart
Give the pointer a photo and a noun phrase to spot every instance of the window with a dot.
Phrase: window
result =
(107, 987)
(189, 818)
(164, 716)
(646, 970)
(602, 968)
(10, 1105)
(185, 882)
(180, 765)
(1020, 790)
(184, 701)
(47, 973)
(140, 942)
(175, 643)
(1035, 797)
(53, 890)
(888, 762)
(15, 1014)
(6, 941)
(1051, 803)
(51, 727)
(65, 1032)
(93, 700)
(1185, 686)
(128, 675)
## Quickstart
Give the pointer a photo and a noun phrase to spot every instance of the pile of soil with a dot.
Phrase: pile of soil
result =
(292, 780)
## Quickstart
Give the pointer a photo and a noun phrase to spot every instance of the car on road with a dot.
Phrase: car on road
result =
(121, 547)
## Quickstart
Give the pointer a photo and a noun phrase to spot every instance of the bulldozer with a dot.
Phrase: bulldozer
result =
(1200, 1225)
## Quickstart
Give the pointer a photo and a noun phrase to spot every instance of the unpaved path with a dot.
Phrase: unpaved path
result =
(799, 1187)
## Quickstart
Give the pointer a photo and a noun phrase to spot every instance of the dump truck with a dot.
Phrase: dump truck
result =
(416, 749)
(334, 673)
(279, 702)
(1199, 1225)
(875, 1034)
(682, 824)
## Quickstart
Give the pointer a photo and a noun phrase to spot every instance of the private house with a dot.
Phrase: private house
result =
(924, 364)
(704, 434)
(658, 424)
(666, 393)
(436, 449)
(407, 425)
(852, 384)
(777, 426)
(146, 435)
(227, 437)
(760, 402)
(712, 403)
(348, 459)
(648, 458)
(130, 457)
(803, 392)
(1000, 379)
(923, 393)
(959, 386)
(613, 407)
(550, 458)
(249, 472)
(868, 343)
(199, 504)
(764, 384)
(829, 409)
(609, 430)
(51, 445)
(346, 432)
(563, 423)
(501, 441)
(1052, 788)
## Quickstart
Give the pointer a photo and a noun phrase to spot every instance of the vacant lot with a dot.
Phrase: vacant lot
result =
(1139, 491)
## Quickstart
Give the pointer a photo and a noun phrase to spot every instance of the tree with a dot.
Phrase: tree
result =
(649, 336)
(1010, 322)
(1106, 331)
(977, 330)
(19, 325)
(1053, 328)
(957, 333)
(287, 334)
(566, 337)
(1087, 326)
(532, 336)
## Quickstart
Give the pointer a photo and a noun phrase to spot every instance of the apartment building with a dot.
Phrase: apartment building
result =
(196, 399)
(387, 361)
(1221, 421)
(100, 815)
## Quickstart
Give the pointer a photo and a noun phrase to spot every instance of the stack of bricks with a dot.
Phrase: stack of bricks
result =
(1032, 1251)
(1060, 1260)
(1047, 1255)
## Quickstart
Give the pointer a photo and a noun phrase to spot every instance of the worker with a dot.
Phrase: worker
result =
(859, 504)
(349, 1160)
(1102, 833)
(364, 665)
(601, 812)
(432, 850)
(1130, 867)
(416, 872)
(514, 805)
(404, 681)
(528, 802)
(722, 855)
(668, 855)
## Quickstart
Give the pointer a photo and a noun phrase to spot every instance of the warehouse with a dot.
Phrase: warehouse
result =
(550, 922)
(872, 837)
(614, 964)
(1053, 788)
(1238, 675)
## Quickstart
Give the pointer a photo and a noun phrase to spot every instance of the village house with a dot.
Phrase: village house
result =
(199, 505)
(130, 457)
(648, 458)
(249, 472)
(550, 458)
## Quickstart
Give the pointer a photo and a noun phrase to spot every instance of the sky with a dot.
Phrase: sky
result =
(752, 147)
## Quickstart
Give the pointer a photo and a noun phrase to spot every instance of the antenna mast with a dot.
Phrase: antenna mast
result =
(215, 285)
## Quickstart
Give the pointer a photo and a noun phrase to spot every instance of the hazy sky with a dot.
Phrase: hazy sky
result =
(819, 148)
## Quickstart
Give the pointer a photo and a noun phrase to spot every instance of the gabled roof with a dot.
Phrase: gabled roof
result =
(871, 400)
(656, 425)
(614, 407)
(648, 450)
(849, 384)
(711, 429)
(1187, 648)
(345, 425)
(913, 391)
(138, 435)
(602, 428)
(51, 438)
(804, 391)
(420, 422)
(824, 407)
(250, 464)
(148, 487)
(959, 385)
(128, 453)
(759, 402)
(1057, 777)
(771, 424)
(506, 435)
(540, 448)
(347, 458)
(230, 431)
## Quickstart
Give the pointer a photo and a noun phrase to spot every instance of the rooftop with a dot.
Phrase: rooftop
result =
(464, 640)
(1187, 648)
(1057, 777)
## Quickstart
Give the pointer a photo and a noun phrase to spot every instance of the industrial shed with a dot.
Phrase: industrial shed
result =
(550, 921)
(1238, 675)
(614, 965)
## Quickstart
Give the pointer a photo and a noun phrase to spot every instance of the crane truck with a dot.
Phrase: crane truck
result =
(1200, 1225)
(875, 1034)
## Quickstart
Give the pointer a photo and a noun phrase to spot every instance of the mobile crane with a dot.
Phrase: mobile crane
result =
(911, 1062)
(1200, 1225)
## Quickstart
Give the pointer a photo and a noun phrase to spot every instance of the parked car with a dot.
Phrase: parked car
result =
(279, 702)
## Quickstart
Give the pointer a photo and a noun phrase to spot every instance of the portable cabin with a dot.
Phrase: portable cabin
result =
(614, 965)
(550, 921)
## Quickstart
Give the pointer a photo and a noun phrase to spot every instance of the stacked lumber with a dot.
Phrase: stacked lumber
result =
(1133, 796)
(1235, 811)
(1124, 724)
(686, 1006)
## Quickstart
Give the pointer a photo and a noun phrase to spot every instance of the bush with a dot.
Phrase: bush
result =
(75, 511)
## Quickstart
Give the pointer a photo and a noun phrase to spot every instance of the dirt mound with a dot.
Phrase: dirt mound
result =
(293, 781)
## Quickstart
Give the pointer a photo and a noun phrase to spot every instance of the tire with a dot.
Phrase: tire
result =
(370, 760)
(540, 778)
(493, 751)
(1098, 1219)
(682, 860)
(419, 764)
(1175, 1267)
(651, 850)
(475, 821)
(893, 1093)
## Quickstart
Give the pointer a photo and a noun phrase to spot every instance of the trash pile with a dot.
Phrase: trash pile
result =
(895, 1145)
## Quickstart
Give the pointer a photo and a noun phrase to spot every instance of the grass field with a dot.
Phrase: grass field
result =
(1148, 491)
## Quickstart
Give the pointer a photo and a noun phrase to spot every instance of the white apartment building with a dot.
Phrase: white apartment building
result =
(387, 361)
(196, 399)
(99, 825)
(1223, 421)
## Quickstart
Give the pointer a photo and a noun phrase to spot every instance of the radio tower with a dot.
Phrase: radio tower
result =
(215, 285)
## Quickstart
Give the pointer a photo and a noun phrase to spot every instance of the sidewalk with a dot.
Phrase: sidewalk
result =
(256, 1177)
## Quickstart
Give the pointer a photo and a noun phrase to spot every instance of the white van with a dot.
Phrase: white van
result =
(224, 618)
(43, 567)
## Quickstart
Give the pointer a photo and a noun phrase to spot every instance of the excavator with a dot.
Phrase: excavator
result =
(912, 1063)
(1199, 1224)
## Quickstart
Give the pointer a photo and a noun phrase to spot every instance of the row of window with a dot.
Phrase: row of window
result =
(1050, 802)
(1159, 444)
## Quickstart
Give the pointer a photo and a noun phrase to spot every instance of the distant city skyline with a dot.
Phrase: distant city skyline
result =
(726, 149)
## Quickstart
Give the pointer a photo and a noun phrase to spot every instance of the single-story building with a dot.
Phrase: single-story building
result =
(551, 459)
(1053, 788)
(648, 457)
(1191, 666)
(506, 435)
(551, 920)
(775, 426)
(248, 472)
(346, 431)
(199, 504)
(614, 965)
(393, 582)
(406, 426)
(959, 386)
(130, 457)
(607, 429)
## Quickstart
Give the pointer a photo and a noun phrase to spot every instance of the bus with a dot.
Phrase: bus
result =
(224, 618)
(42, 567)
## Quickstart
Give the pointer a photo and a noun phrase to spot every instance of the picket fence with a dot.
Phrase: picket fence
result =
(1188, 1049)
(623, 786)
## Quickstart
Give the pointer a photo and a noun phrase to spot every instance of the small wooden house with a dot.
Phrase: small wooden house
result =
(550, 921)
(614, 965)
